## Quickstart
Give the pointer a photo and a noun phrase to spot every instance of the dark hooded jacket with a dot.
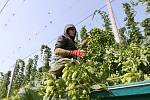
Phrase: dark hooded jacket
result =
(66, 42)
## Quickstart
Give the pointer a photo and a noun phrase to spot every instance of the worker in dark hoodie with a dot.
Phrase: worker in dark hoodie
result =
(65, 49)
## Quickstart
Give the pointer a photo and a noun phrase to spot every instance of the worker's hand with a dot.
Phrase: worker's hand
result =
(77, 53)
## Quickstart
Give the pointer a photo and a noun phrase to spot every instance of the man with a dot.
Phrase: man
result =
(65, 49)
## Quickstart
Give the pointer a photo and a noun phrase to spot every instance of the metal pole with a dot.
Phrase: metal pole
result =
(113, 22)
(11, 81)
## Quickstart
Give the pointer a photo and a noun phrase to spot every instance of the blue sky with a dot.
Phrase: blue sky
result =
(27, 24)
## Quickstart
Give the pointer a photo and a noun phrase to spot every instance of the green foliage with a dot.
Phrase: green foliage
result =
(106, 63)
(147, 3)
(146, 24)
(107, 24)
(46, 55)
(123, 38)
(34, 70)
(97, 41)
(18, 76)
(131, 25)
(77, 81)
(28, 93)
(4, 82)
(83, 33)
(29, 71)
(84, 37)
(77, 40)
(133, 59)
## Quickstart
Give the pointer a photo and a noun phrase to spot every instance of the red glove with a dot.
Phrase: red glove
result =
(77, 53)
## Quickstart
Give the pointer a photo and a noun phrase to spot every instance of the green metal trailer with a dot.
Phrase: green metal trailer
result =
(132, 91)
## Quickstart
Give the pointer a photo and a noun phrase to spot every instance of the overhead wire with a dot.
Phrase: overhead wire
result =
(14, 15)
(91, 14)
(14, 12)
(75, 25)
(4, 6)
(55, 38)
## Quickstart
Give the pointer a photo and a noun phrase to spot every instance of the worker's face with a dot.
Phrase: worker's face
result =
(71, 32)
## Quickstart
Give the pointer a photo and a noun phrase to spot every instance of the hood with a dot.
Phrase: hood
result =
(66, 28)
